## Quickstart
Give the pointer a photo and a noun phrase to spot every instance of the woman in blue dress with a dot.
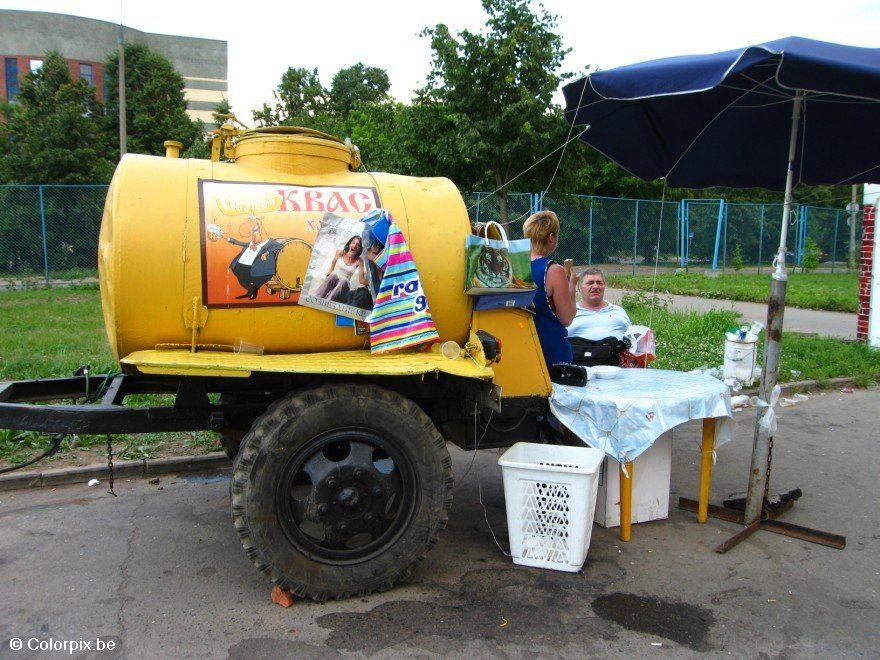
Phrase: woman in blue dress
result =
(555, 296)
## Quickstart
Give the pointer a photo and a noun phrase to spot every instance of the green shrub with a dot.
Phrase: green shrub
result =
(737, 261)
(811, 256)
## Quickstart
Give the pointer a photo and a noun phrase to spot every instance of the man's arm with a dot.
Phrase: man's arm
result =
(236, 242)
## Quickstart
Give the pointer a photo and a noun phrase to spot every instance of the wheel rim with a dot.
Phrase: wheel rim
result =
(346, 496)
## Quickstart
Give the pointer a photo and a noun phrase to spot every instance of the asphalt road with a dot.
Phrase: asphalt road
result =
(160, 573)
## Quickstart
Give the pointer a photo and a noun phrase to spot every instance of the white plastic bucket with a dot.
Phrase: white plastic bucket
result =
(740, 358)
(550, 494)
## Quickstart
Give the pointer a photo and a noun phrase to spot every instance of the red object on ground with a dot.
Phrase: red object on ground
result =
(868, 222)
(281, 596)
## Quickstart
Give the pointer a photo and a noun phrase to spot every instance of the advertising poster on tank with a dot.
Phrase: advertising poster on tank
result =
(257, 238)
(345, 270)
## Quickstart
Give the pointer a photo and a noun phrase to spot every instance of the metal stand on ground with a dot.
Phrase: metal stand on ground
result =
(757, 515)
(767, 522)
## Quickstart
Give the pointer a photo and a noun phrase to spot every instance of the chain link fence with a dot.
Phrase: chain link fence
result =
(627, 235)
(50, 233)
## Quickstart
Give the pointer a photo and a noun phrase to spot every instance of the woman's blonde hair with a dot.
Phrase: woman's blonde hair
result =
(539, 226)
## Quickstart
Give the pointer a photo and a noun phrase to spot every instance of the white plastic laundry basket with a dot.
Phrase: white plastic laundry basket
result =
(550, 493)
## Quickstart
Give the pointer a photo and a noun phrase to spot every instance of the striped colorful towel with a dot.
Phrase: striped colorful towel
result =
(401, 317)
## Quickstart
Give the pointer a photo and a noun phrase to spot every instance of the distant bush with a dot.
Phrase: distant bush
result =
(737, 261)
(811, 256)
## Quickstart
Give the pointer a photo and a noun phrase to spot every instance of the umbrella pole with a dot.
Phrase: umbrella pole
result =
(761, 449)
(757, 514)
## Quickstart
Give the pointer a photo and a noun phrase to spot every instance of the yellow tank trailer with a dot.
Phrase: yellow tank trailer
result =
(341, 478)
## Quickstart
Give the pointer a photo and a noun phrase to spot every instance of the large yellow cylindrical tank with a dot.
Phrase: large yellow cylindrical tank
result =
(166, 280)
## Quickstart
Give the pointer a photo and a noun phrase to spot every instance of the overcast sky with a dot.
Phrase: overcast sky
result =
(336, 33)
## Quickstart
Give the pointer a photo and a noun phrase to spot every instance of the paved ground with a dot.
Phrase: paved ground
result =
(831, 324)
(161, 573)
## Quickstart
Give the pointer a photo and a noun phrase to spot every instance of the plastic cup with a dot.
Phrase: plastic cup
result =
(450, 350)
(241, 346)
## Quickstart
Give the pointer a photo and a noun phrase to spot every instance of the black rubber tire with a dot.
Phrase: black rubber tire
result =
(294, 421)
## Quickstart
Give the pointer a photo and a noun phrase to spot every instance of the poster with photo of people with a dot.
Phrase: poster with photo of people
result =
(344, 272)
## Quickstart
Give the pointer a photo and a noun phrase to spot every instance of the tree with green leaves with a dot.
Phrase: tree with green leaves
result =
(154, 102)
(357, 85)
(52, 132)
(299, 95)
(497, 87)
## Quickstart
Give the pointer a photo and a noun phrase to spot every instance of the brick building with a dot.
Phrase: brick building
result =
(869, 271)
(25, 37)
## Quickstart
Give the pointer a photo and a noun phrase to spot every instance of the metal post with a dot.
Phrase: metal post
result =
(760, 237)
(590, 239)
(834, 245)
(678, 240)
(805, 222)
(717, 235)
(724, 256)
(43, 225)
(635, 237)
(120, 75)
(686, 233)
(478, 207)
(802, 234)
(772, 342)
(853, 212)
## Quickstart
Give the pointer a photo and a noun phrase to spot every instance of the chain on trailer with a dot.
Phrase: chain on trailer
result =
(110, 463)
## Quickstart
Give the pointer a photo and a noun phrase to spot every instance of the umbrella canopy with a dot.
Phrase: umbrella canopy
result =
(725, 119)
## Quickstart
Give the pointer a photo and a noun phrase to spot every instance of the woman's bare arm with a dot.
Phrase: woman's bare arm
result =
(561, 290)
(335, 259)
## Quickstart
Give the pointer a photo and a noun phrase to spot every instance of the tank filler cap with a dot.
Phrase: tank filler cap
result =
(301, 131)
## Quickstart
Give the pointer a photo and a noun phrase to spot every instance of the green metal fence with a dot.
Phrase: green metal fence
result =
(626, 234)
(51, 232)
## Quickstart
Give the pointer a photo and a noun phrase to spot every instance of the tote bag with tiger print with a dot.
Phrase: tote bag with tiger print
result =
(497, 265)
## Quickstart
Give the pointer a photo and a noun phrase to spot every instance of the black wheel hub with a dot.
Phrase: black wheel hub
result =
(346, 496)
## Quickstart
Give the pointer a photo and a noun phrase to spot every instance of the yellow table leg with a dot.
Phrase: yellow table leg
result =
(708, 447)
(626, 494)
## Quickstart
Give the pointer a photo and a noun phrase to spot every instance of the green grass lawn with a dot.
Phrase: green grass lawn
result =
(837, 292)
(51, 332)
(46, 333)
(687, 340)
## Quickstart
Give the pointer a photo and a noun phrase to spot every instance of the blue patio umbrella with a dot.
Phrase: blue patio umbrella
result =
(725, 119)
(772, 115)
